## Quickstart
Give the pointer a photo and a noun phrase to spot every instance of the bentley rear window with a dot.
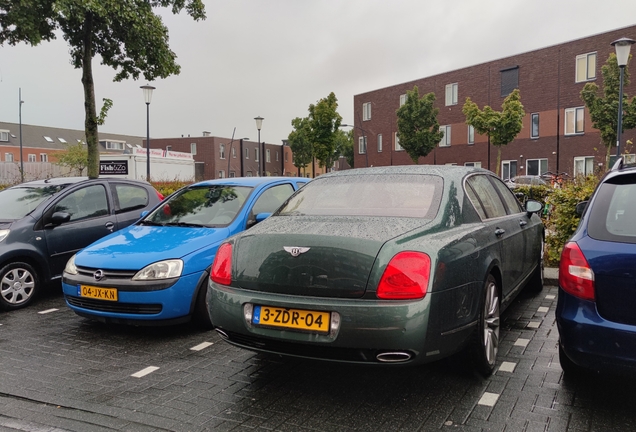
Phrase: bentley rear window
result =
(399, 195)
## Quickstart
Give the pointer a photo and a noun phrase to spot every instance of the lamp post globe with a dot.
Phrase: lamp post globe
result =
(259, 124)
(622, 47)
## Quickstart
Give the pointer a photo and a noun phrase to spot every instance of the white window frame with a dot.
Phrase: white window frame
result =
(247, 153)
(586, 160)
(193, 148)
(268, 157)
(113, 145)
(232, 174)
(8, 157)
(532, 117)
(446, 139)
(168, 148)
(471, 134)
(396, 140)
(4, 135)
(543, 166)
(583, 62)
(379, 143)
(233, 153)
(473, 164)
(31, 157)
(222, 151)
(362, 145)
(579, 114)
(402, 99)
(509, 162)
(221, 173)
(48, 139)
(451, 94)
(44, 157)
(366, 111)
(256, 154)
(277, 157)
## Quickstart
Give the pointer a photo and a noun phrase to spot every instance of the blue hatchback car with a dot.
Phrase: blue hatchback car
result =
(156, 271)
(596, 306)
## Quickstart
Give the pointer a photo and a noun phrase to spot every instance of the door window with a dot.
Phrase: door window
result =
(130, 197)
(272, 198)
(488, 197)
(84, 203)
(512, 203)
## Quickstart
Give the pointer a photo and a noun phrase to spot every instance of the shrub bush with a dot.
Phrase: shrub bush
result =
(168, 187)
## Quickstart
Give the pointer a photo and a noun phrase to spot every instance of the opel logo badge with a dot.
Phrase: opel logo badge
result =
(295, 250)
(98, 275)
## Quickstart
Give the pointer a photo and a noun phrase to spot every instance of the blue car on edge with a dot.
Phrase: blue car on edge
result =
(156, 271)
(596, 307)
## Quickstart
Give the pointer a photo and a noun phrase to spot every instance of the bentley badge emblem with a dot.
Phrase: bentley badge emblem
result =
(295, 250)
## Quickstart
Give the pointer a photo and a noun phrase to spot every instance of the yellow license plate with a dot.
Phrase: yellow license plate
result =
(296, 319)
(97, 292)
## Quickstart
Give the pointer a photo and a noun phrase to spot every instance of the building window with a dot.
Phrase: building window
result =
(446, 139)
(268, 158)
(8, 157)
(247, 153)
(222, 174)
(233, 152)
(398, 147)
(536, 167)
(379, 143)
(44, 157)
(256, 154)
(222, 151)
(451, 94)
(362, 145)
(583, 166)
(402, 99)
(48, 139)
(508, 170)
(471, 134)
(509, 80)
(113, 145)
(473, 164)
(249, 174)
(277, 157)
(168, 148)
(574, 121)
(585, 67)
(31, 158)
(4, 135)
(62, 140)
(534, 132)
(286, 158)
(232, 174)
(193, 148)
(366, 111)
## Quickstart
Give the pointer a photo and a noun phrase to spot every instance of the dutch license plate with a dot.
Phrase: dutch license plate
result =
(97, 292)
(296, 319)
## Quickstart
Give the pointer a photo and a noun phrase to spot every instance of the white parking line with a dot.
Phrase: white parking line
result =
(507, 367)
(522, 342)
(488, 399)
(201, 346)
(543, 309)
(144, 372)
(550, 297)
(534, 324)
(47, 311)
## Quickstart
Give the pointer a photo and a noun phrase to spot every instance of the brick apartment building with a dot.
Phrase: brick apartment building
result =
(557, 132)
(217, 157)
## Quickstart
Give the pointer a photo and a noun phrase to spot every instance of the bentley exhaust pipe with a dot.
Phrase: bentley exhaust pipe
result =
(393, 357)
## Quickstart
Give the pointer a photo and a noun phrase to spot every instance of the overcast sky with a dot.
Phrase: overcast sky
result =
(273, 58)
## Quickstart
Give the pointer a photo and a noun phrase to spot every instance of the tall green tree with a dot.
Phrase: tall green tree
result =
(126, 35)
(604, 109)
(324, 122)
(418, 128)
(74, 157)
(300, 142)
(344, 145)
(501, 127)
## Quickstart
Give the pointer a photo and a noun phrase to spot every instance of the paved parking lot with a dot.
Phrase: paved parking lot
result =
(60, 372)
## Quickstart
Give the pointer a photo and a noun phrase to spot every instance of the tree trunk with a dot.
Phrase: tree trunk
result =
(608, 153)
(90, 122)
(498, 160)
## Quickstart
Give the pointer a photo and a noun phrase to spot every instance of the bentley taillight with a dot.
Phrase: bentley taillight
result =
(221, 272)
(405, 277)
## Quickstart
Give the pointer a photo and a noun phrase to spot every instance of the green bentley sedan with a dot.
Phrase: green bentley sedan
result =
(387, 265)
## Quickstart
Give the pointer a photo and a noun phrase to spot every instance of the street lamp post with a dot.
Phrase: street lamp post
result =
(20, 115)
(147, 98)
(259, 124)
(622, 46)
(364, 139)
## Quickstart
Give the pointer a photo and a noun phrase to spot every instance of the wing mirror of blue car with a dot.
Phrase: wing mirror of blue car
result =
(580, 208)
(58, 218)
(143, 213)
(262, 216)
(533, 206)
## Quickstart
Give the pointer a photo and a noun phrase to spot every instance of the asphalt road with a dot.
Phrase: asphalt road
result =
(60, 372)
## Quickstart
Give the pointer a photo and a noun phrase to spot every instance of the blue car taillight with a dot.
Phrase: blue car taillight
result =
(575, 275)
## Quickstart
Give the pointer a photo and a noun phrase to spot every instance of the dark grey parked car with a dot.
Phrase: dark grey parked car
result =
(44, 222)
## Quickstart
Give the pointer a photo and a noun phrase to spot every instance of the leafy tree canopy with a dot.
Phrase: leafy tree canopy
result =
(501, 127)
(344, 145)
(418, 128)
(126, 34)
(604, 109)
(324, 122)
(300, 142)
(74, 157)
